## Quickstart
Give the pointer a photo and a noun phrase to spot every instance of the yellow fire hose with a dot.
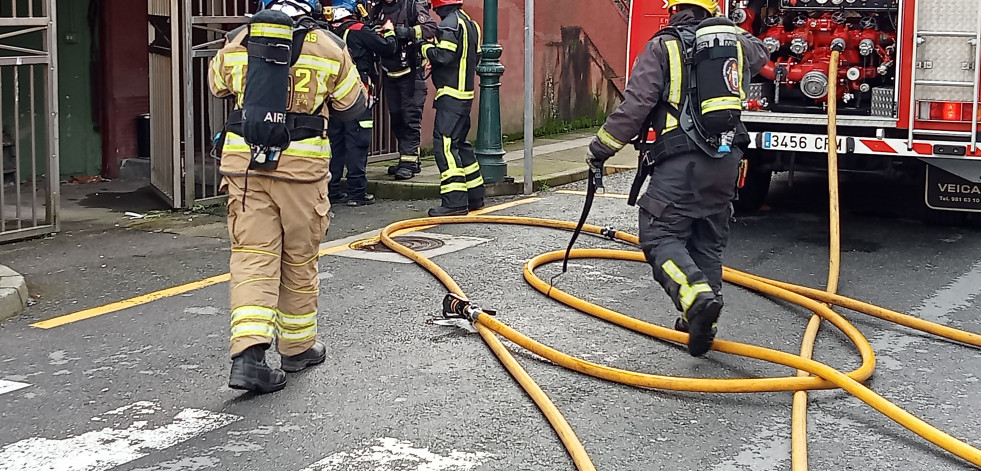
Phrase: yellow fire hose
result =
(811, 374)
(798, 423)
(825, 377)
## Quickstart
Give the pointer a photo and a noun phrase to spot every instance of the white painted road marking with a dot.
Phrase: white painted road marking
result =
(394, 454)
(11, 386)
(110, 447)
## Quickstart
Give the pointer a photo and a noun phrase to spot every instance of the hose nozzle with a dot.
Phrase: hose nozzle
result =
(597, 176)
(456, 307)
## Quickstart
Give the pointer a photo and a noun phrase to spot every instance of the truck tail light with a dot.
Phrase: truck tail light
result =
(949, 111)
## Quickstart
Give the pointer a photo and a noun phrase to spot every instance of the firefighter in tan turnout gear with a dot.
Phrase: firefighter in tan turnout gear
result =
(287, 76)
(688, 85)
(454, 57)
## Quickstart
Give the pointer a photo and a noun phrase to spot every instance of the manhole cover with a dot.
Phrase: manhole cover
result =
(416, 243)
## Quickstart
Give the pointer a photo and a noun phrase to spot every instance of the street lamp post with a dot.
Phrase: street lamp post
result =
(489, 146)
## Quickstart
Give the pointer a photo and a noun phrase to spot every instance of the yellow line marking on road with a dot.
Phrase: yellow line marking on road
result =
(131, 302)
(176, 290)
(583, 193)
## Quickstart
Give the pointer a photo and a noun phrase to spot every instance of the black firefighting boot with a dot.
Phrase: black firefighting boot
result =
(368, 199)
(250, 372)
(405, 170)
(701, 319)
(314, 355)
(444, 211)
(476, 204)
(681, 325)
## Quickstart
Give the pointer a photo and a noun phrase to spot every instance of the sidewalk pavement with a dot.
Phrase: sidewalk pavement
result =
(13, 293)
(557, 161)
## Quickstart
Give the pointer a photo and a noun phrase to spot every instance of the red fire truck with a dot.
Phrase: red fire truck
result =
(908, 91)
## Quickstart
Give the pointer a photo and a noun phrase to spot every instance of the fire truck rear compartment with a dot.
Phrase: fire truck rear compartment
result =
(799, 35)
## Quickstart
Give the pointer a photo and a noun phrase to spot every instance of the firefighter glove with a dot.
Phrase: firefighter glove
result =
(404, 33)
(595, 163)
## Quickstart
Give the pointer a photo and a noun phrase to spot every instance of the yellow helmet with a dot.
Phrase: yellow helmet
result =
(711, 5)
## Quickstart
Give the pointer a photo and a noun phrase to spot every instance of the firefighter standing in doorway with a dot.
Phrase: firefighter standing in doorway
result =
(350, 140)
(405, 80)
(287, 77)
(685, 212)
(454, 56)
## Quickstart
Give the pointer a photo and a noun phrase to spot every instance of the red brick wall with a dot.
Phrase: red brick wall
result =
(124, 71)
(600, 21)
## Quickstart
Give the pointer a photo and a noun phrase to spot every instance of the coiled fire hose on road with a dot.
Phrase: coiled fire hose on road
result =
(824, 376)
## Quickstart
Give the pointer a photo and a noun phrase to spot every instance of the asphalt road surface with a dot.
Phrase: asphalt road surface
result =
(144, 388)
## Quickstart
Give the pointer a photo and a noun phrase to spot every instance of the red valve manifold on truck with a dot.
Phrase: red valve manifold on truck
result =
(799, 35)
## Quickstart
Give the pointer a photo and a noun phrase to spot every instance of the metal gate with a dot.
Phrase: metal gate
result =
(184, 115)
(29, 174)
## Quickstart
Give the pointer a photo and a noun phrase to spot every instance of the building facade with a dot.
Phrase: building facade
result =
(104, 73)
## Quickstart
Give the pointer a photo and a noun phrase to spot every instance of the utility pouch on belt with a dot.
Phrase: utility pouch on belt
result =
(263, 116)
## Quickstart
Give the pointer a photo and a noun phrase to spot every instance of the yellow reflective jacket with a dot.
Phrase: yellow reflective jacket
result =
(323, 75)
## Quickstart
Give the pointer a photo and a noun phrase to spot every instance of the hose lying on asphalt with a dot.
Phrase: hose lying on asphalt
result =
(824, 376)
(798, 418)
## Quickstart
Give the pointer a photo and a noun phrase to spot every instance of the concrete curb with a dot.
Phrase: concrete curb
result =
(394, 190)
(13, 293)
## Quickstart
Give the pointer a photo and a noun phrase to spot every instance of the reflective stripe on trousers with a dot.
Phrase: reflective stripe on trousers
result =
(460, 179)
(274, 271)
(688, 291)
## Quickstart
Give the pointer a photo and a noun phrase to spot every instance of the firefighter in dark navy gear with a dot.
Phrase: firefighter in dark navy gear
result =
(454, 56)
(405, 79)
(351, 140)
(287, 77)
(685, 212)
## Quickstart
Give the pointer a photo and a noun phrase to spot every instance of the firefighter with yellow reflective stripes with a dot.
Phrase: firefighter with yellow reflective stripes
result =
(405, 77)
(287, 77)
(685, 212)
(454, 56)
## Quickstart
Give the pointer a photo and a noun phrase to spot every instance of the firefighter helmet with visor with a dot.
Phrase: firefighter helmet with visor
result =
(711, 5)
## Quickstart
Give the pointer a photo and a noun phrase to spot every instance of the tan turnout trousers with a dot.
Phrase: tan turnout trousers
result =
(275, 236)
(275, 245)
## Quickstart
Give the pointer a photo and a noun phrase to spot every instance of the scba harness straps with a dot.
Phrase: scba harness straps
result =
(703, 109)
(707, 70)
(271, 39)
